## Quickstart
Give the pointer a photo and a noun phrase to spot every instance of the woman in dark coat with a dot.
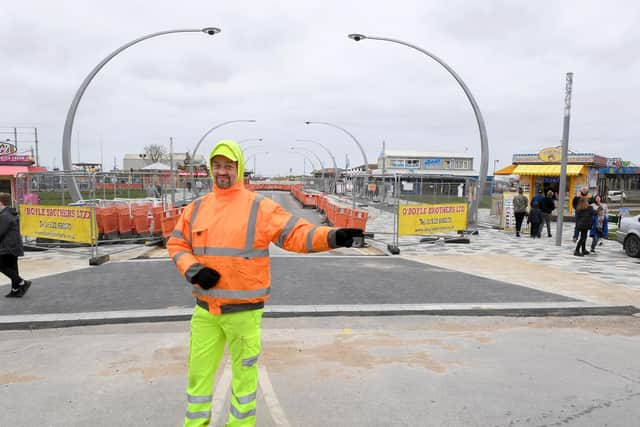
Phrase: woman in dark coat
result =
(584, 221)
(11, 247)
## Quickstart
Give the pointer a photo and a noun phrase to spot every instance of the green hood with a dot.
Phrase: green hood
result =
(232, 151)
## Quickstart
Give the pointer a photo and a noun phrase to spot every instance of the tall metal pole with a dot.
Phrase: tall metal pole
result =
(71, 114)
(172, 185)
(565, 155)
(15, 138)
(484, 159)
(35, 130)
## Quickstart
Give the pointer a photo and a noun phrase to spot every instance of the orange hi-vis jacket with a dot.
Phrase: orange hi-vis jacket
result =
(229, 230)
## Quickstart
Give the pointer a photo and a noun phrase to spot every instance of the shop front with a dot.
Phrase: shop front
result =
(541, 171)
(12, 165)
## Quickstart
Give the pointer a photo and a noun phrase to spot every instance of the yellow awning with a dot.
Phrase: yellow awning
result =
(546, 170)
(506, 171)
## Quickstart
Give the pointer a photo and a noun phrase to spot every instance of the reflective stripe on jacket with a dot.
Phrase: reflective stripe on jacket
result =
(229, 231)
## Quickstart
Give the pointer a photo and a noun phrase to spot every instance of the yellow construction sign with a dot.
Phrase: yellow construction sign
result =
(68, 223)
(432, 219)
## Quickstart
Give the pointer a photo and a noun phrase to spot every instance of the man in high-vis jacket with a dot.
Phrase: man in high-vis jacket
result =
(221, 246)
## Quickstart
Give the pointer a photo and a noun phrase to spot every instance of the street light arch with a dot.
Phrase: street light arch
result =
(484, 159)
(333, 159)
(316, 156)
(68, 125)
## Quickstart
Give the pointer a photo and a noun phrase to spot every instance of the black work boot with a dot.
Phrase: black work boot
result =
(15, 293)
(25, 286)
(20, 290)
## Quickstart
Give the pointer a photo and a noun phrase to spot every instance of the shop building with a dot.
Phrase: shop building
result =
(541, 171)
(12, 165)
(621, 175)
(448, 172)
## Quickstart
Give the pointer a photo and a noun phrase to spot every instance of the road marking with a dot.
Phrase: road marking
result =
(222, 390)
(276, 411)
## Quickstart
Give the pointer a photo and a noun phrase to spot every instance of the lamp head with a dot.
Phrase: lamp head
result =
(308, 123)
(211, 30)
(357, 37)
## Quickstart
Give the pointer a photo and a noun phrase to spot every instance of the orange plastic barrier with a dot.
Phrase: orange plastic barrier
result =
(358, 219)
(340, 216)
(141, 222)
(124, 221)
(107, 222)
(169, 221)
(156, 223)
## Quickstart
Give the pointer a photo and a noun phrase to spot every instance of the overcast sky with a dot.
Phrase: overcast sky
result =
(285, 62)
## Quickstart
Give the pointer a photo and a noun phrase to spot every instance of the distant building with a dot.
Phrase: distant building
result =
(139, 161)
(424, 163)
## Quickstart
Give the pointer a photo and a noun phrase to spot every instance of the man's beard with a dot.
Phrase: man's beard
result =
(223, 181)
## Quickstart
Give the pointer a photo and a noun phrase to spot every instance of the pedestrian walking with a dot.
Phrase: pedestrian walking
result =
(546, 208)
(599, 228)
(535, 218)
(584, 222)
(538, 198)
(598, 203)
(520, 203)
(11, 247)
(221, 246)
(582, 194)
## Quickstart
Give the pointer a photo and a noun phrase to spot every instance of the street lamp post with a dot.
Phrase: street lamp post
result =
(364, 156)
(193, 153)
(493, 180)
(254, 156)
(316, 156)
(484, 160)
(68, 125)
(335, 166)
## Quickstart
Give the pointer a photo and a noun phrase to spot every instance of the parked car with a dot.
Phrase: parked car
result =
(616, 196)
(629, 235)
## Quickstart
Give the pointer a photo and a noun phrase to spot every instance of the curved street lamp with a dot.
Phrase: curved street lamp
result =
(193, 153)
(333, 159)
(315, 155)
(484, 160)
(364, 156)
(68, 124)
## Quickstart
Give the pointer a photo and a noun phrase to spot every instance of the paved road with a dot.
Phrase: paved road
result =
(145, 285)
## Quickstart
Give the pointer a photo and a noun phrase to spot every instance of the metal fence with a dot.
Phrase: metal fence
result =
(51, 188)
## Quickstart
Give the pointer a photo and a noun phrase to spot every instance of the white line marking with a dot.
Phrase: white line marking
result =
(221, 391)
(276, 411)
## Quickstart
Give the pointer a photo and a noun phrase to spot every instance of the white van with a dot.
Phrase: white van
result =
(616, 196)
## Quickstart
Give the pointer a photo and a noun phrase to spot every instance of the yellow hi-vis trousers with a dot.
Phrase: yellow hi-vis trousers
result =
(241, 332)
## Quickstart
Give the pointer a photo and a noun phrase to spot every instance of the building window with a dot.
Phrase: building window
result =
(461, 164)
(396, 163)
(413, 163)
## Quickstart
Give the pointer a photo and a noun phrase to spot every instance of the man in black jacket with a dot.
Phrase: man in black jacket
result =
(11, 247)
(547, 206)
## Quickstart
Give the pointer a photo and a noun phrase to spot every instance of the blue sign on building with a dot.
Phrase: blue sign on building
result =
(432, 163)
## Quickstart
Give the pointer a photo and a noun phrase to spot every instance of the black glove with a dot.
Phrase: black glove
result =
(344, 236)
(207, 278)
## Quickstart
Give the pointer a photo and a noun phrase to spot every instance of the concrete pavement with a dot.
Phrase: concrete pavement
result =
(339, 371)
